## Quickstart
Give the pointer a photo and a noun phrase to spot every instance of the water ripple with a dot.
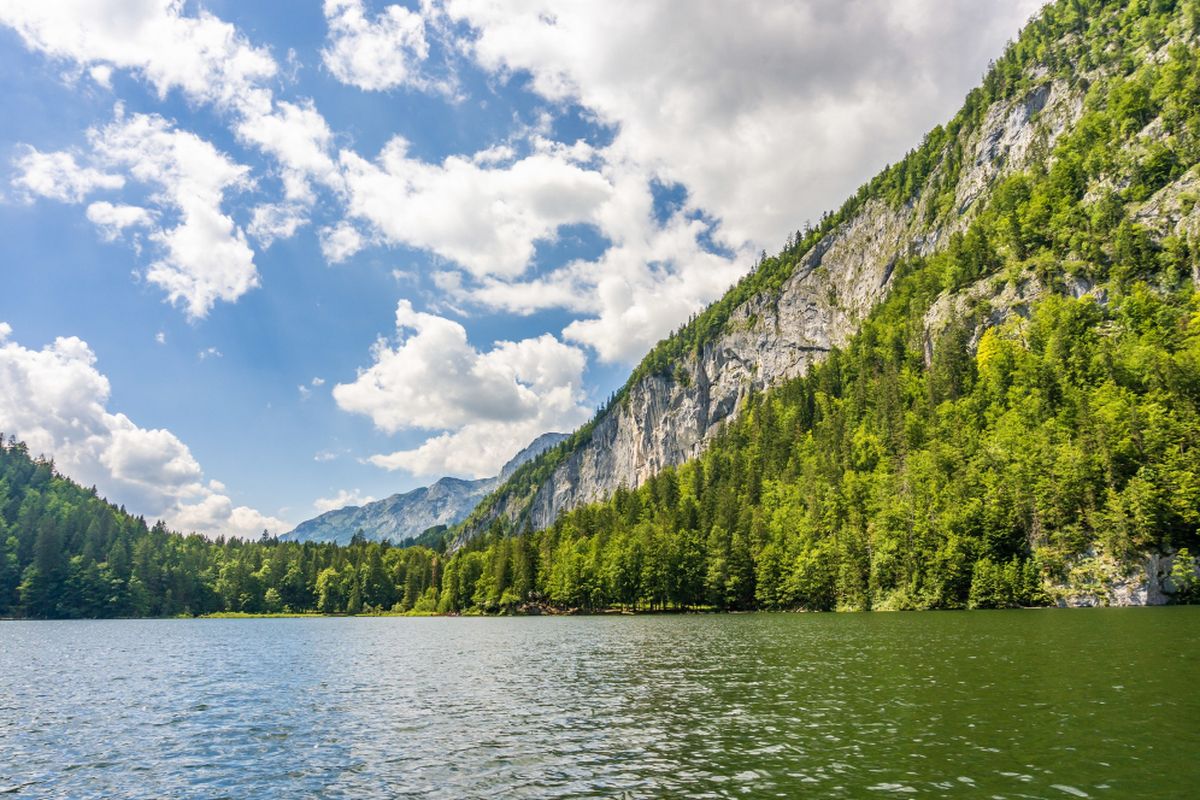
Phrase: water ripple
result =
(1023, 704)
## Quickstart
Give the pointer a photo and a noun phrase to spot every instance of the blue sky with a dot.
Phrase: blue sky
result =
(264, 258)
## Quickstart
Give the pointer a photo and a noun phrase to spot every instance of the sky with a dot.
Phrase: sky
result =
(264, 259)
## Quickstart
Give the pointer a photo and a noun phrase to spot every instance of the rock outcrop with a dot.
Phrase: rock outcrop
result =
(666, 420)
(447, 502)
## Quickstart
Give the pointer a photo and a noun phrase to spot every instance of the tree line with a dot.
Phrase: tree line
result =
(980, 462)
(976, 457)
(67, 553)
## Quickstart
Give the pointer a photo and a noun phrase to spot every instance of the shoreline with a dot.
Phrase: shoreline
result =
(569, 613)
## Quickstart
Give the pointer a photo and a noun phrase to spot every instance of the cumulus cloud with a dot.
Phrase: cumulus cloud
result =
(202, 56)
(206, 59)
(55, 400)
(112, 220)
(486, 405)
(300, 139)
(375, 54)
(652, 277)
(485, 217)
(58, 176)
(344, 497)
(204, 257)
(272, 221)
(339, 242)
(768, 113)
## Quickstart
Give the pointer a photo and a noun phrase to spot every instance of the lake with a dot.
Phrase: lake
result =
(1013, 704)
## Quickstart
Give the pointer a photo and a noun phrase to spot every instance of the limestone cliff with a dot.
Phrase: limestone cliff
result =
(665, 419)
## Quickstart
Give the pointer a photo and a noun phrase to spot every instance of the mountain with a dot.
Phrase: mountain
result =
(405, 516)
(976, 384)
(794, 308)
(939, 395)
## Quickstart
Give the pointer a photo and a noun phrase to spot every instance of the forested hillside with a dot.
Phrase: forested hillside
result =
(1078, 67)
(64, 552)
(1015, 424)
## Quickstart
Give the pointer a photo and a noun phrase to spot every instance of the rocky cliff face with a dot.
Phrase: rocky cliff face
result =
(398, 517)
(405, 516)
(770, 338)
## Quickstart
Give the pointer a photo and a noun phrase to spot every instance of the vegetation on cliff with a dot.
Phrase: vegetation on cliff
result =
(973, 469)
(1078, 42)
(1025, 401)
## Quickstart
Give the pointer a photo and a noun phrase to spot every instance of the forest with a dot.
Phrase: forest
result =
(980, 464)
(978, 460)
(66, 553)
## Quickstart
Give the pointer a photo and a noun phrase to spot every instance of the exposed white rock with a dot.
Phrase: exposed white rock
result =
(1099, 580)
(666, 421)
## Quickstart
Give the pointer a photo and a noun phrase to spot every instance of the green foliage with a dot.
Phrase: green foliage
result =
(65, 553)
(1185, 585)
(967, 465)
(1101, 44)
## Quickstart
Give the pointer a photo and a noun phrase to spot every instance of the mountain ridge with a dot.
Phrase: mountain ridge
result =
(406, 515)
(793, 308)
(975, 385)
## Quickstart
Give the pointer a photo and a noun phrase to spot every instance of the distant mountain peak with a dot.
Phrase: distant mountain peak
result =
(530, 452)
(405, 515)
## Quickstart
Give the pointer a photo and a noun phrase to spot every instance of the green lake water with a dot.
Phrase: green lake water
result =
(1007, 704)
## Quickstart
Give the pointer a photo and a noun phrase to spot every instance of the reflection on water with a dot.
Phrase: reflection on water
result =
(1054, 703)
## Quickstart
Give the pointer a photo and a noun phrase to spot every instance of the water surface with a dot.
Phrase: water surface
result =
(1052, 703)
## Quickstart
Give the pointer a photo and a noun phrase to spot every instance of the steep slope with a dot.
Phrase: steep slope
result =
(994, 399)
(787, 314)
(405, 516)
(398, 517)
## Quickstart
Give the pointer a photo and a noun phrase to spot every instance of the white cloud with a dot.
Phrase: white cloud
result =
(204, 257)
(209, 352)
(318, 381)
(352, 497)
(59, 177)
(273, 221)
(486, 405)
(202, 56)
(654, 276)
(299, 138)
(216, 515)
(485, 218)
(340, 241)
(112, 220)
(295, 134)
(102, 74)
(160, 337)
(55, 400)
(377, 54)
(304, 391)
(769, 113)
